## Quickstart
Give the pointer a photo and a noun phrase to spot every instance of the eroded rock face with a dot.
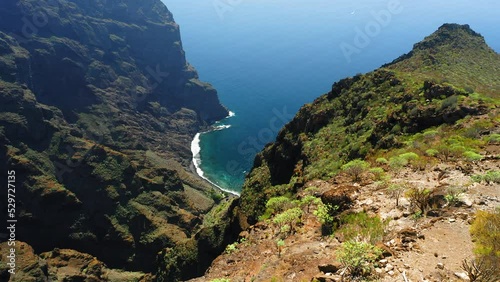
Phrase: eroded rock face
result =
(339, 197)
(28, 266)
(61, 265)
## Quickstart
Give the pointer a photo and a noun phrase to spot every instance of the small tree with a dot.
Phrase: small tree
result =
(289, 217)
(355, 168)
(419, 197)
(396, 190)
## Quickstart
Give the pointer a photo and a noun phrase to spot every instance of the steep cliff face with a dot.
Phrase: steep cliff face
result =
(97, 110)
(448, 76)
(131, 49)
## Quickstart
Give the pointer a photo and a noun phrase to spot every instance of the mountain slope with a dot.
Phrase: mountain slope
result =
(391, 176)
(97, 110)
(366, 115)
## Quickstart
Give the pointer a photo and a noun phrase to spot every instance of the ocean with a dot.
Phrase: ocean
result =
(267, 58)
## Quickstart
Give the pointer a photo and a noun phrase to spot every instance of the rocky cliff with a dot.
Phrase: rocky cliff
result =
(97, 110)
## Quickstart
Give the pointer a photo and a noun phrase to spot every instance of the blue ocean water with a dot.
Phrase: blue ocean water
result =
(267, 58)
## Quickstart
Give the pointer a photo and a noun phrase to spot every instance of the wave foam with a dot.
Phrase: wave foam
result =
(221, 127)
(196, 149)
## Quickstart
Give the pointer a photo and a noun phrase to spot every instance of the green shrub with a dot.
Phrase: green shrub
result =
(430, 134)
(453, 194)
(397, 162)
(444, 151)
(278, 204)
(472, 156)
(492, 176)
(357, 257)
(493, 138)
(290, 217)
(485, 231)
(378, 173)
(280, 244)
(312, 190)
(431, 152)
(220, 280)
(450, 102)
(231, 248)
(355, 168)
(361, 226)
(381, 161)
(410, 156)
(457, 150)
(324, 213)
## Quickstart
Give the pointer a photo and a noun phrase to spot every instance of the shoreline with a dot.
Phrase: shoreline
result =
(196, 159)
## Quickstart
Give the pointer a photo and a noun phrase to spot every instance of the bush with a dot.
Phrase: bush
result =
(355, 168)
(431, 152)
(361, 226)
(419, 197)
(381, 161)
(409, 156)
(309, 200)
(485, 230)
(290, 217)
(280, 244)
(231, 248)
(278, 204)
(444, 152)
(220, 280)
(457, 150)
(492, 176)
(357, 257)
(397, 162)
(430, 134)
(472, 156)
(378, 173)
(453, 194)
(478, 270)
(493, 139)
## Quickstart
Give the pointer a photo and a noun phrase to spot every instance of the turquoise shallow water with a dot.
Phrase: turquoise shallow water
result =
(267, 58)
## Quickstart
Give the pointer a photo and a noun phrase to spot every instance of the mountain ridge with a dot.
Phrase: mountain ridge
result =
(402, 100)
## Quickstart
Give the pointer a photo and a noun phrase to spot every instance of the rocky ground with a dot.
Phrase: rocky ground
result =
(429, 248)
